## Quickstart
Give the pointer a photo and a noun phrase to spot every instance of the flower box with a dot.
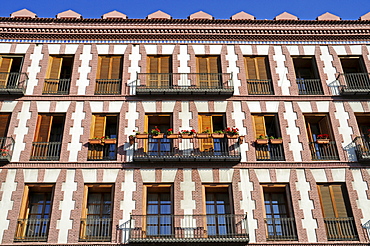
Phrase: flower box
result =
(218, 135)
(322, 141)
(160, 135)
(4, 153)
(110, 140)
(187, 136)
(172, 136)
(232, 136)
(202, 135)
(276, 141)
(142, 136)
(262, 141)
(95, 141)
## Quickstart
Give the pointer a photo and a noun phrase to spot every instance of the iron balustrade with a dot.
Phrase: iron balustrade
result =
(366, 226)
(96, 230)
(341, 229)
(45, 151)
(270, 152)
(98, 152)
(6, 148)
(108, 87)
(281, 229)
(56, 86)
(320, 152)
(354, 83)
(260, 87)
(362, 148)
(309, 86)
(13, 83)
(184, 83)
(32, 230)
(188, 228)
(181, 149)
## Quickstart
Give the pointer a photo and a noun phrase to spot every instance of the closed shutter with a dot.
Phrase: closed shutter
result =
(99, 126)
(153, 78)
(115, 67)
(340, 206)
(4, 124)
(164, 71)
(43, 128)
(208, 69)
(261, 66)
(103, 71)
(332, 200)
(5, 66)
(250, 68)
(55, 67)
(326, 201)
(205, 122)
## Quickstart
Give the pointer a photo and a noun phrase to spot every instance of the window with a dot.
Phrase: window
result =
(48, 137)
(58, 76)
(355, 76)
(159, 70)
(280, 223)
(158, 146)
(10, 69)
(212, 123)
(4, 124)
(258, 77)
(6, 143)
(337, 212)
(267, 126)
(104, 126)
(208, 69)
(34, 217)
(159, 210)
(108, 78)
(307, 77)
(320, 137)
(96, 219)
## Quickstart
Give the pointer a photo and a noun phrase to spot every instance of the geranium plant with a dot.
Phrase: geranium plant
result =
(169, 131)
(231, 131)
(323, 136)
(189, 132)
(155, 131)
(206, 130)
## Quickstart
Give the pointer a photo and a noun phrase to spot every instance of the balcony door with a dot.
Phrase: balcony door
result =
(58, 76)
(208, 69)
(212, 123)
(158, 146)
(356, 76)
(258, 79)
(159, 69)
(108, 77)
(10, 68)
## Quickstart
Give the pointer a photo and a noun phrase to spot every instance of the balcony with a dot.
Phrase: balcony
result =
(193, 149)
(32, 230)
(323, 152)
(45, 151)
(281, 229)
(222, 228)
(354, 83)
(270, 152)
(184, 83)
(341, 229)
(6, 149)
(100, 152)
(362, 148)
(108, 87)
(260, 87)
(96, 230)
(13, 83)
(56, 86)
(309, 86)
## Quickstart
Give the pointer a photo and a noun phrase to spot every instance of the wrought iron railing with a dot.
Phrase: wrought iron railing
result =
(260, 87)
(45, 151)
(108, 87)
(281, 229)
(341, 229)
(32, 230)
(362, 148)
(270, 152)
(6, 148)
(327, 151)
(221, 228)
(184, 83)
(181, 149)
(366, 226)
(56, 86)
(13, 83)
(96, 229)
(98, 152)
(309, 86)
(354, 83)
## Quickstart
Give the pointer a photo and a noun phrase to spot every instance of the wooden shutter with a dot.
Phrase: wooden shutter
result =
(250, 68)
(98, 126)
(115, 72)
(164, 70)
(5, 66)
(261, 66)
(202, 67)
(332, 201)
(326, 202)
(153, 72)
(43, 128)
(338, 200)
(55, 67)
(4, 124)
(103, 71)
(259, 125)
(205, 122)
(84, 212)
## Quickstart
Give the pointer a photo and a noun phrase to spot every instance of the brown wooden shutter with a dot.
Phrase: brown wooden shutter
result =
(43, 128)
(250, 68)
(55, 67)
(153, 72)
(165, 64)
(259, 125)
(4, 124)
(326, 201)
(202, 65)
(99, 126)
(205, 122)
(340, 206)
(5, 66)
(324, 127)
(213, 64)
(115, 67)
(261, 65)
(103, 71)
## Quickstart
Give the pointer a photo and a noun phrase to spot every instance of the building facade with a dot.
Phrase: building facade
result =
(184, 131)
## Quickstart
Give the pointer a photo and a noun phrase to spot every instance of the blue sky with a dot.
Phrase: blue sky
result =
(180, 9)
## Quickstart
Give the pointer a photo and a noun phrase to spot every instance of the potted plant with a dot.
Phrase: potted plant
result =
(169, 134)
(187, 133)
(262, 140)
(218, 134)
(204, 134)
(109, 140)
(96, 140)
(322, 139)
(141, 135)
(156, 133)
(4, 152)
(231, 132)
(274, 140)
